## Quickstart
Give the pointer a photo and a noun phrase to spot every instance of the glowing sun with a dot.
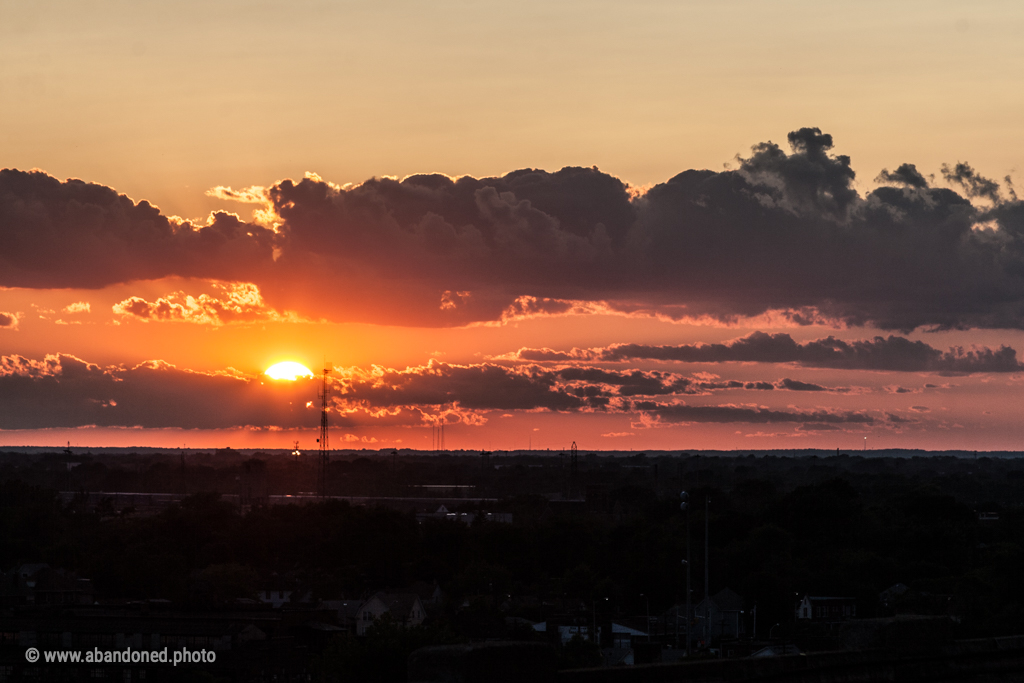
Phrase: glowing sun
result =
(289, 370)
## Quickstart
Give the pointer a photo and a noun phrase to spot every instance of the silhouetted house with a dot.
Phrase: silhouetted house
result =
(430, 593)
(347, 612)
(280, 598)
(726, 614)
(826, 608)
(891, 594)
(566, 630)
(624, 633)
(405, 608)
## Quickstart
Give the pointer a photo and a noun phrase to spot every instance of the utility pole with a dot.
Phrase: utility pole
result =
(685, 507)
(707, 596)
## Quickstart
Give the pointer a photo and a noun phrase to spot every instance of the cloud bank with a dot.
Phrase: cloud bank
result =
(62, 391)
(887, 354)
(784, 232)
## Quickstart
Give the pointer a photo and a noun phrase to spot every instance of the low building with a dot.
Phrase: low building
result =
(817, 608)
(726, 614)
(405, 608)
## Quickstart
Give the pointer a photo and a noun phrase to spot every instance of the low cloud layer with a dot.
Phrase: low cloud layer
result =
(64, 391)
(674, 413)
(888, 354)
(784, 232)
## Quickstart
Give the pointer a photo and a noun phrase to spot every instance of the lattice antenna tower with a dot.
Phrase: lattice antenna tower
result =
(574, 485)
(437, 436)
(325, 451)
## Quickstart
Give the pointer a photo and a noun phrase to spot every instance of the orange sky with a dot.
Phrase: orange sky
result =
(165, 103)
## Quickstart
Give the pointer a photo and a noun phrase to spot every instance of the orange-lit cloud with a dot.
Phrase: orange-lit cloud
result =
(77, 307)
(239, 302)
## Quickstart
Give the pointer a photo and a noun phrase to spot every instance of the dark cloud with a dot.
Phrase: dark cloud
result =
(680, 412)
(810, 179)
(905, 174)
(796, 385)
(64, 391)
(786, 231)
(77, 234)
(8, 320)
(634, 383)
(972, 183)
(891, 353)
(473, 387)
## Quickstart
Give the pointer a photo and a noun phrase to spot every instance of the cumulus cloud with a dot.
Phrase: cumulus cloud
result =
(77, 307)
(236, 302)
(83, 235)
(905, 174)
(474, 387)
(891, 354)
(8, 321)
(786, 233)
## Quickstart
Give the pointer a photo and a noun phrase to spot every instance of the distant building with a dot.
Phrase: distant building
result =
(430, 593)
(279, 598)
(727, 616)
(465, 517)
(891, 594)
(826, 608)
(405, 608)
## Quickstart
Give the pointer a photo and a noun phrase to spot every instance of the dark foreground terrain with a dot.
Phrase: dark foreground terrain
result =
(528, 547)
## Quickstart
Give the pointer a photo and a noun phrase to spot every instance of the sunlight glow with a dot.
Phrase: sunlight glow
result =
(289, 370)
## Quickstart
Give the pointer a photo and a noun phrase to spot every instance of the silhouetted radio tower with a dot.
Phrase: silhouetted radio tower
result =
(574, 473)
(325, 453)
(437, 437)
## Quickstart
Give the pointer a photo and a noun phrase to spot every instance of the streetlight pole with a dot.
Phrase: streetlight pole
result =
(707, 595)
(685, 507)
(593, 604)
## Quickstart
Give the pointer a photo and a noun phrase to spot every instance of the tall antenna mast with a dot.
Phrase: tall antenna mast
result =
(574, 484)
(325, 452)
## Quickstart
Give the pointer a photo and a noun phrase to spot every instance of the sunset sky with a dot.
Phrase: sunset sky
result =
(645, 225)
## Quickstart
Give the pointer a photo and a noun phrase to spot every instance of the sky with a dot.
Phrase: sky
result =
(646, 225)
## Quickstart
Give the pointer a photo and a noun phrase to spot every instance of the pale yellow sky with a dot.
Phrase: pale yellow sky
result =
(165, 100)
